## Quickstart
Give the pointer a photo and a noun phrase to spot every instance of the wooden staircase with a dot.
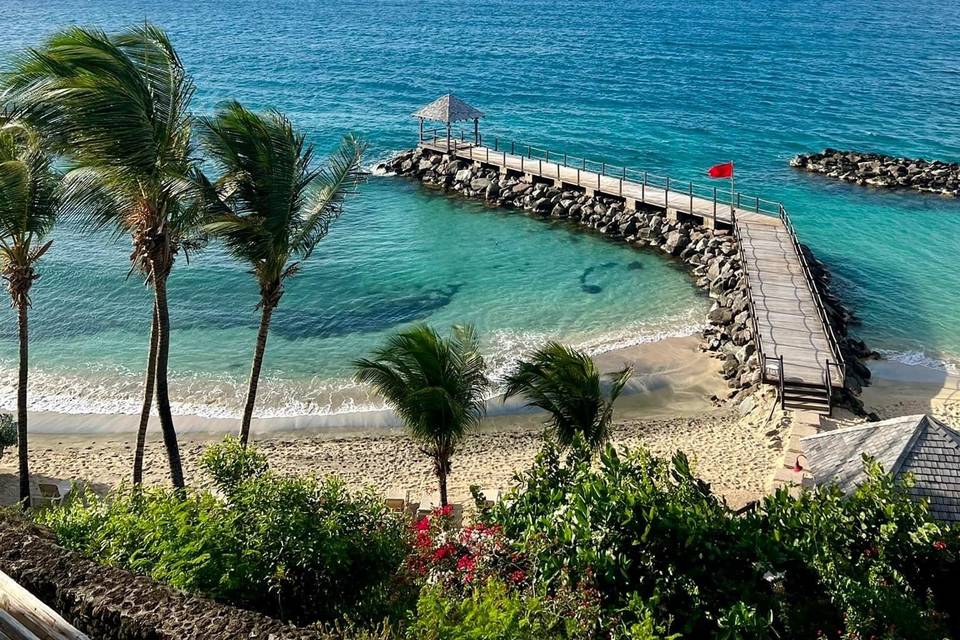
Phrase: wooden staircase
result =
(805, 396)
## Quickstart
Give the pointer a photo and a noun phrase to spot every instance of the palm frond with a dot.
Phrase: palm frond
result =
(436, 385)
(331, 186)
(268, 179)
(117, 108)
(566, 383)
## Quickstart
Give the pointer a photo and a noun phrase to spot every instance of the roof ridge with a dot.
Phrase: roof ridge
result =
(921, 427)
(952, 435)
(868, 425)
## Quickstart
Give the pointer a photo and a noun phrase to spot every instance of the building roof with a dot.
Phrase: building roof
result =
(448, 108)
(918, 445)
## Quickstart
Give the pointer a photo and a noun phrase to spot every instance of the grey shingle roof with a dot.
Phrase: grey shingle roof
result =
(919, 445)
(448, 108)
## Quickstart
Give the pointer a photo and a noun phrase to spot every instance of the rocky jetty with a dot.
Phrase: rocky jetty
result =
(711, 256)
(878, 170)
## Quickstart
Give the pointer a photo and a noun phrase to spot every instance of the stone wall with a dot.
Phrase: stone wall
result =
(108, 603)
(711, 256)
(878, 170)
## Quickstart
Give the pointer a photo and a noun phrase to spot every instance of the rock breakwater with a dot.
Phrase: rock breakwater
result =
(887, 172)
(711, 256)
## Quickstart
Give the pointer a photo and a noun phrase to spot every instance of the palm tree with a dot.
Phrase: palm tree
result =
(117, 108)
(567, 384)
(436, 385)
(30, 193)
(278, 204)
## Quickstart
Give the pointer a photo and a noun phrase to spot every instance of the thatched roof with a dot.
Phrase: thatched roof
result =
(448, 108)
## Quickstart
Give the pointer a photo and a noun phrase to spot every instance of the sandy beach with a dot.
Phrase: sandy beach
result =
(671, 404)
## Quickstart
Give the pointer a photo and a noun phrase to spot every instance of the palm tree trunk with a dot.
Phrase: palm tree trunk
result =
(163, 393)
(442, 477)
(147, 401)
(267, 306)
(22, 408)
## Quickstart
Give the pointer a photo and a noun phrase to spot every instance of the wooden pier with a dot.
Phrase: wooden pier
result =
(798, 350)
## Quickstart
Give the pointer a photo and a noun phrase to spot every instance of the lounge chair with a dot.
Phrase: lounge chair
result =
(50, 493)
(397, 500)
(431, 501)
(491, 496)
(53, 492)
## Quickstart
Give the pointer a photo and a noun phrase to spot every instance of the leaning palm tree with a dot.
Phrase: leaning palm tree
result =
(278, 205)
(436, 385)
(567, 384)
(30, 194)
(116, 107)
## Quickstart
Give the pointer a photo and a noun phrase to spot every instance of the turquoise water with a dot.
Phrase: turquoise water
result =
(668, 88)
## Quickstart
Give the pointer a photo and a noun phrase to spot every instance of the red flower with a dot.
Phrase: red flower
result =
(517, 576)
(466, 563)
(423, 524)
(445, 511)
(443, 551)
(940, 545)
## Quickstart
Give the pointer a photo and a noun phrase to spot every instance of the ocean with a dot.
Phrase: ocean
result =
(668, 87)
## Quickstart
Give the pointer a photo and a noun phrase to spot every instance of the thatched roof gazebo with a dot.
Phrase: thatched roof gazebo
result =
(449, 109)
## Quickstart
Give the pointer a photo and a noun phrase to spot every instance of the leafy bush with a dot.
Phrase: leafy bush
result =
(885, 567)
(491, 611)
(635, 530)
(8, 432)
(297, 548)
(646, 550)
(230, 463)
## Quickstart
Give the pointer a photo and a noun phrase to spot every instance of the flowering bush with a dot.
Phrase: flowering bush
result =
(459, 558)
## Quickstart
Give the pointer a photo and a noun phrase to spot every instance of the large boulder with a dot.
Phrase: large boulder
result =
(480, 184)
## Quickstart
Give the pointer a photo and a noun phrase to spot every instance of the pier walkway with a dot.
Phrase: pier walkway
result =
(797, 347)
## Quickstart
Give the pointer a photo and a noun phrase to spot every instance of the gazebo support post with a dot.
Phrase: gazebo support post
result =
(449, 109)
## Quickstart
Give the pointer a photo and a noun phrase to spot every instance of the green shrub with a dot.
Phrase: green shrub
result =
(651, 550)
(230, 463)
(883, 565)
(296, 548)
(492, 611)
(635, 529)
(8, 432)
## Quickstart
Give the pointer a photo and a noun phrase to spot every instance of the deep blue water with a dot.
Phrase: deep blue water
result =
(664, 87)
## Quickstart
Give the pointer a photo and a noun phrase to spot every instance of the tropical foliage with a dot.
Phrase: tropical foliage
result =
(588, 545)
(649, 551)
(277, 204)
(117, 107)
(566, 384)
(8, 432)
(436, 386)
(30, 200)
(293, 547)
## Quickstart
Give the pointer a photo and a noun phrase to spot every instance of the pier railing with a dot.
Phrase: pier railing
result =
(462, 140)
(838, 362)
(754, 323)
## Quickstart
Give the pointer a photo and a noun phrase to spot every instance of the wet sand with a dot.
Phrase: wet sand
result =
(671, 404)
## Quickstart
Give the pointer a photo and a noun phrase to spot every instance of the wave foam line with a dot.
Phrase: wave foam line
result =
(119, 391)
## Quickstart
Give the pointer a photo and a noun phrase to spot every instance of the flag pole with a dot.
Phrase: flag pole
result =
(732, 212)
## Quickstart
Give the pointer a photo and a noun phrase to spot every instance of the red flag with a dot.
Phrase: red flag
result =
(724, 170)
